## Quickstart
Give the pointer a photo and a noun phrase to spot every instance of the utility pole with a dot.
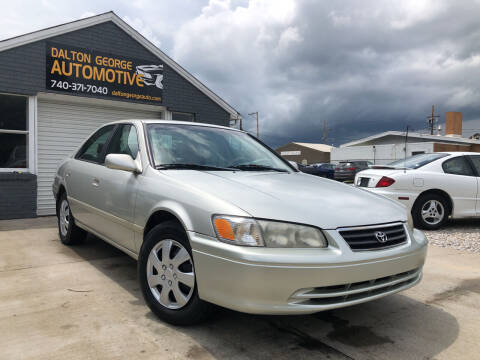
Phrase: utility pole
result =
(324, 137)
(256, 116)
(406, 142)
(432, 119)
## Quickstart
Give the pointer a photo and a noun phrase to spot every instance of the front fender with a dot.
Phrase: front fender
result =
(193, 208)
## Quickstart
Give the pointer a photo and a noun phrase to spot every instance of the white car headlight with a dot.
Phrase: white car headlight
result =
(252, 232)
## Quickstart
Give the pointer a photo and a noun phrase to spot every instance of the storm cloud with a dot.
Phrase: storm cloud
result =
(363, 66)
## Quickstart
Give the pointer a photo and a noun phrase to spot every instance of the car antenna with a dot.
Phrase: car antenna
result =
(405, 161)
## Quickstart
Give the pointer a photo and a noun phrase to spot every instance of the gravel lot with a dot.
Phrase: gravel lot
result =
(458, 234)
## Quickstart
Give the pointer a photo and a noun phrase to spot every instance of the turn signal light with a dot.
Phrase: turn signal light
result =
(385, 181)
(224, 229)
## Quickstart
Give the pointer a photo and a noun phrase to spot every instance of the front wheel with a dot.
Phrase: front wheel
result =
(167, 276)
(430, 212)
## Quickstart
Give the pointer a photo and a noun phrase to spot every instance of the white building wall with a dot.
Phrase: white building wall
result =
(378, 154)
(63, 123)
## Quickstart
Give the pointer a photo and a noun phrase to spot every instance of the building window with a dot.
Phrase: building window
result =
(13, 132)
(183, 116)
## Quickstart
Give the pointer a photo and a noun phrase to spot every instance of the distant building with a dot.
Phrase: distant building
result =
(305, 153)
(390, 145)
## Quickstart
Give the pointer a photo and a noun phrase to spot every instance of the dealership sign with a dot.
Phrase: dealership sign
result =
(92, 72)
(287, 153)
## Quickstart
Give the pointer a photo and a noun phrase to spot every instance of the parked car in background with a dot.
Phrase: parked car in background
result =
(433, 186)
(346, 170)
(216, 217)
(325, 170)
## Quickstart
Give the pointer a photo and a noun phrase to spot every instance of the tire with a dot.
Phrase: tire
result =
(430, 212)
(70, 234)
(172, 293)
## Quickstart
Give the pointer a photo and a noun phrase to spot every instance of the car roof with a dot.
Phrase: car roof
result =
(459, 153)
(171, 122)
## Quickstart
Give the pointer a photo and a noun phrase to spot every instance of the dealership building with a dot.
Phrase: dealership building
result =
(305, 153)
(59, 84)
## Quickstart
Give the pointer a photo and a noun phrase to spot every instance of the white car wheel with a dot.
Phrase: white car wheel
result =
(430, 211)
(433, 212)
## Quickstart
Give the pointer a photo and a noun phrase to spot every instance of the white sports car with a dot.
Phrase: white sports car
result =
(433, 186)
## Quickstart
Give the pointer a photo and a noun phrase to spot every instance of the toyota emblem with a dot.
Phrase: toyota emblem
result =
(381, 236)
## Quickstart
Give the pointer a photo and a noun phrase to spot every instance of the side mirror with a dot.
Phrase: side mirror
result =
(294, 164)
(121, 162)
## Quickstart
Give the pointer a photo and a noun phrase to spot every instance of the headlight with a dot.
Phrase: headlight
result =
(252, 232)
(280, 234)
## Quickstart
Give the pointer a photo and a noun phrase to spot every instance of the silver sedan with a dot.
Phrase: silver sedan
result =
(215, 217)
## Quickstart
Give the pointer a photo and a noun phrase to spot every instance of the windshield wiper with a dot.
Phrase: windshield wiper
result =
(255, 167)
(191, 167)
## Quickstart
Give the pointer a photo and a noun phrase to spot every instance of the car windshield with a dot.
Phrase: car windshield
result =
(416, 161)
(178, 146)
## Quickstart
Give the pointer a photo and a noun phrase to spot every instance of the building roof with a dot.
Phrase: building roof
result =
(111, 16)
(432, 138)
(318, 147)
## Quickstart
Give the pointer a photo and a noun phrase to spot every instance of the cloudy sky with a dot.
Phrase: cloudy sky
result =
(363, 66)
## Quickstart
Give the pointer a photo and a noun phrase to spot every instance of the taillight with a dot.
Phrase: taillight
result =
(385, 181)
(351, 169)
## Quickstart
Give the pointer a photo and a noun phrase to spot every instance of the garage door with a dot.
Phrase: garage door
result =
(62, 126)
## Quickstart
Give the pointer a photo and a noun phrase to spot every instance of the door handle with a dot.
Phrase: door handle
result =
(96, 182)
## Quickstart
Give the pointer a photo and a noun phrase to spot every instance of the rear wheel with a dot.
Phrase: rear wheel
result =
(70, 234)
(430, 212)
(167, 276)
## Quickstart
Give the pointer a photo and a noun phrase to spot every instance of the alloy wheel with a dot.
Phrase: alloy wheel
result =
(433, 212)
(64, 217)
(170, 274)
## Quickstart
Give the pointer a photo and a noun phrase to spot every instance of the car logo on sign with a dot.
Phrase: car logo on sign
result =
(381, 236)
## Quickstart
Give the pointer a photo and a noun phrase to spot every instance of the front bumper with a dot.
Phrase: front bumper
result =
(303, 281)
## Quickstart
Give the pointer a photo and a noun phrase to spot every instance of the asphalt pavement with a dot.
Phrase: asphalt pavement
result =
(84, 302)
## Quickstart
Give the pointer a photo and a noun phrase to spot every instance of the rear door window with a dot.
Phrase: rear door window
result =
(457, 166)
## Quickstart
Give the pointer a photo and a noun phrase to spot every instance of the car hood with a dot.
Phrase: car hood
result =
(294, 197)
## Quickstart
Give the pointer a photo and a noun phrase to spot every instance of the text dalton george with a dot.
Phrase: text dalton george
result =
(105, 68)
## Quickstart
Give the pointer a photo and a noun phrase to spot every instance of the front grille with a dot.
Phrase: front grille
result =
(375, 237)
(336, 295)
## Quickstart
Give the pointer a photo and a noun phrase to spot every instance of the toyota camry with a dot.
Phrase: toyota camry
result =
(215, 217)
